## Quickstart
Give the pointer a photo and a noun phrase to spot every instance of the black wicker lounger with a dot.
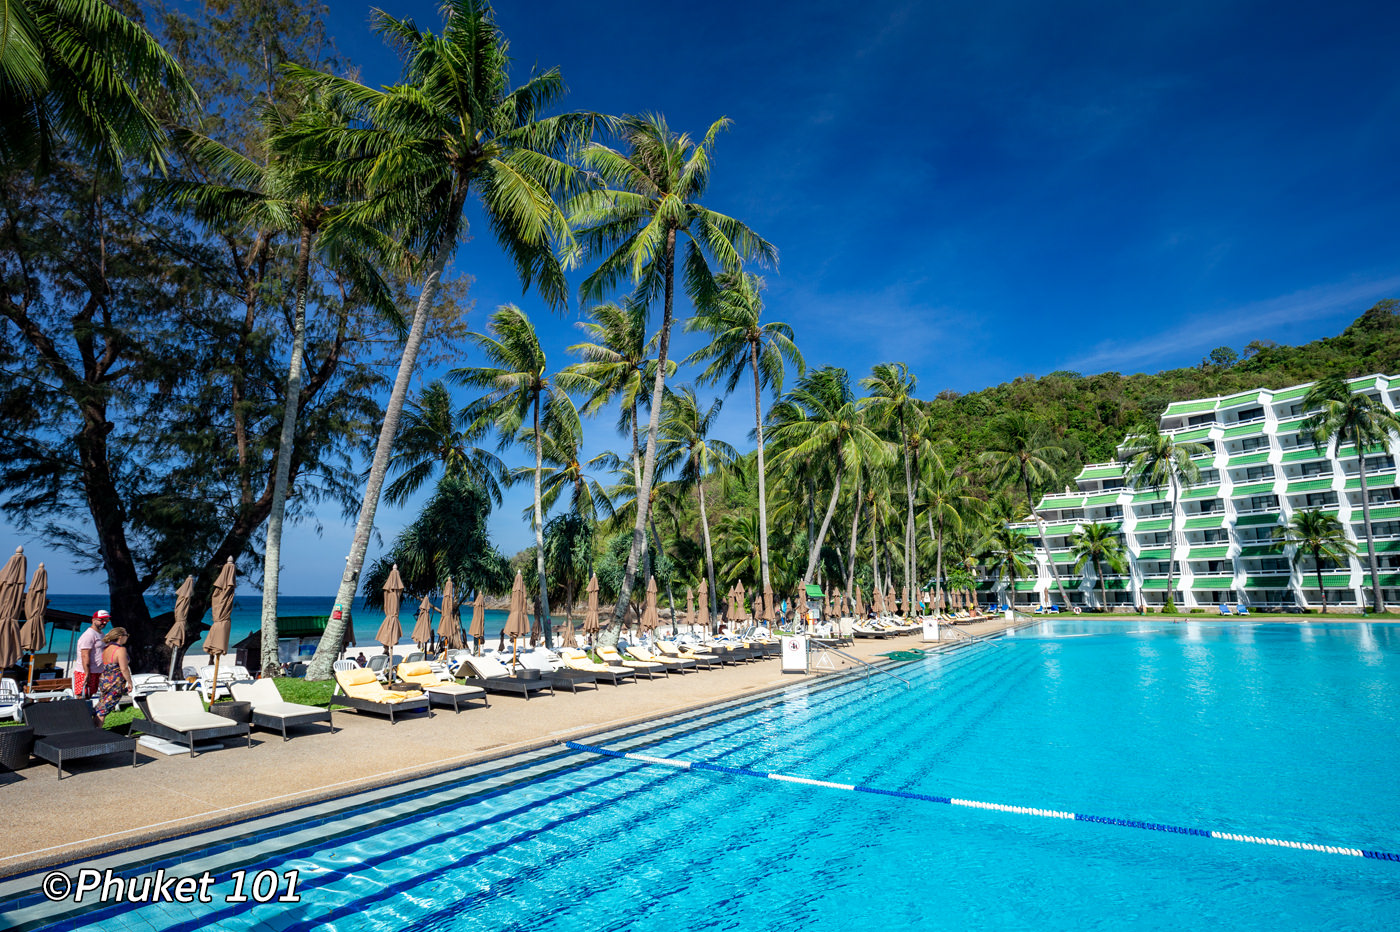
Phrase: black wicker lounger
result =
(63, 730)
(472, 670)
(181, 717)
(363, 679)
(271, 711)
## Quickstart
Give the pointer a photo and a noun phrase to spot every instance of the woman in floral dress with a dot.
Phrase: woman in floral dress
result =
(114, 675)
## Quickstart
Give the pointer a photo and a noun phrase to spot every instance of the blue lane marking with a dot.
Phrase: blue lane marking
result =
(996, 807)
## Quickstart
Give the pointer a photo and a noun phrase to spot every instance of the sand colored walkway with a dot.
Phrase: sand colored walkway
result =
(105, 806)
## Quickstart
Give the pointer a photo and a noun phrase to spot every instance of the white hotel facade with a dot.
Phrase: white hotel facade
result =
(1260, 471)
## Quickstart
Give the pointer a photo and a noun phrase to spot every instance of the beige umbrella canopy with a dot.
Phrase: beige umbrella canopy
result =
(423, 624)
(517, 624)
(216, 638)
(11, 595)
(891, 603)
(178, 635)
(860, 603)
(390, 631)
(768, 613)
(740, 609)
(478, 629)
(650, 619)
(879, 600)
(590, 615)
(31, 636)
(450, 627)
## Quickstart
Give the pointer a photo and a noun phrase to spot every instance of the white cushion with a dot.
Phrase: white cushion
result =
(489, 666)
(456, 689)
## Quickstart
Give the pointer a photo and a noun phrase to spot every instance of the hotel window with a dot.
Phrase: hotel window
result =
(1249, 414)
(1258, 472)
(1199, 419)
(1317, 469)
(1381, 529)
(1378, 463)
(1259, 503)
(1253, 443)
(1319, 499)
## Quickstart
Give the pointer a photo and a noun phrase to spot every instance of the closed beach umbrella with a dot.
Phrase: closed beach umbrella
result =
(11, 595)
(879, 601)
(31, 636)
(891, 603)
(390, 630)
(517, 625)
(705, 602)
(478, 631)
(650, 619)
(590, 614)
(178, 635)
(741, 609)
(450, 627)
(423, 624)
(860, 603)
(768, 614)
(216, 639)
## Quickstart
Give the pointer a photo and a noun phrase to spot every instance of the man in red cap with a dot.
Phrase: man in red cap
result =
(85, 667)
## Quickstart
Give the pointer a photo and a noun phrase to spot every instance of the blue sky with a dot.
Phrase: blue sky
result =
(988, 189)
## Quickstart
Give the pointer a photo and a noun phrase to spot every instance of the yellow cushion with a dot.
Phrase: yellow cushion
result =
(362, 684)
(417, 668)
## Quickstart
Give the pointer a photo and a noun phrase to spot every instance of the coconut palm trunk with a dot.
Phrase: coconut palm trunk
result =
(546, 621)
(331, 640)
(1376, 599)
(1171, 545)
(815, 553)
(762, 473)
(709, 552)
(629, 577)
(271, 660)
(855, 533)
(1317, 568)
(938, 558)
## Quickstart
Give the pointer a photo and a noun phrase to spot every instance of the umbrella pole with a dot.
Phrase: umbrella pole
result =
(173, 656)
(30, 687)
(214, 691)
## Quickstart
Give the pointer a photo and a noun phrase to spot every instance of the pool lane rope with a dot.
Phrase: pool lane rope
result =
(974, 804)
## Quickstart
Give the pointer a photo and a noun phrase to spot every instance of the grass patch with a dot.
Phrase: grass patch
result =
(294, 689)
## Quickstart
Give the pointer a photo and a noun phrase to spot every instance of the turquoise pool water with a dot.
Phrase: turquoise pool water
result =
(1286, 731)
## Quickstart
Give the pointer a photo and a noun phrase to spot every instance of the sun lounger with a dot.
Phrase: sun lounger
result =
(11, 700)
(63, 730)
(1241, 609)
(638, 652)
(270, 710)
(575, 659)
(672, 649)
(493, 676)
(180, 716)
(422, 675)
(1224, 609)
(364, 693)
(553, 669)
(610, 655)
(228, 675)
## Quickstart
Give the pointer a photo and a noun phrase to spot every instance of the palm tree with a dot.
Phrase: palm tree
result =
(635, 225)
(891, 399)
(1317, 534)
(822, 418)
(1018, 451)
(1009, 554)
(436, 434)
(282, 197)
(1155, 460)
(561, 446)
(81, 72)
(738, 342)
(1343, 416)
(946, 502)
(685, 438)
(1097, 544)
(453, 130)
(617, 364)
(518, 392)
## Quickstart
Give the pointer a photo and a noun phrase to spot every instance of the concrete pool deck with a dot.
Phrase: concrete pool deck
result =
(106, 806)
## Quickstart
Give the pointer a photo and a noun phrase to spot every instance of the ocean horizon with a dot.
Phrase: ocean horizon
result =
(247, 613)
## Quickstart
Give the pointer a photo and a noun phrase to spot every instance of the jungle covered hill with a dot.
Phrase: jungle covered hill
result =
(1083, 417)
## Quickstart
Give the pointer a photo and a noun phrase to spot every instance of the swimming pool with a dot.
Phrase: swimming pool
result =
(1286, 731)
